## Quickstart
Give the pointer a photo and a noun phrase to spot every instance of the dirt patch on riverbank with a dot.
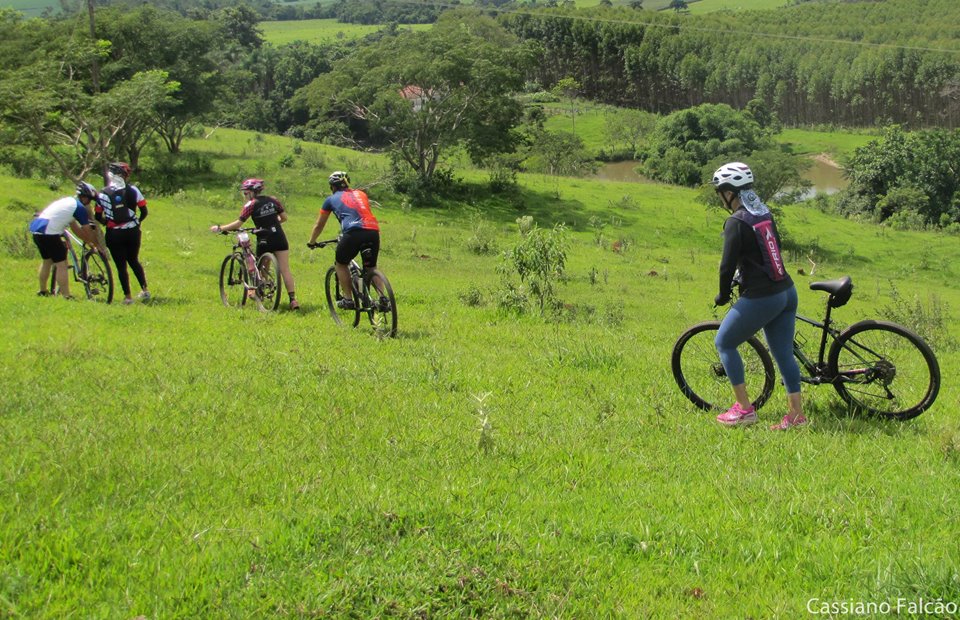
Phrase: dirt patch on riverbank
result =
(825, 158)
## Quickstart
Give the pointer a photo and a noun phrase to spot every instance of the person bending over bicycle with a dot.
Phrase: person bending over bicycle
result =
(768, 298)
(359, 231)
(267, 214)
(116, 209)
(48, 227)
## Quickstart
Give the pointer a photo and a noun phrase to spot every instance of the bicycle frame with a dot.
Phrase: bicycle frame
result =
(817, 369)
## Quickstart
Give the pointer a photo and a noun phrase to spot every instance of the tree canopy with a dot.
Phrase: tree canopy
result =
(422, 92)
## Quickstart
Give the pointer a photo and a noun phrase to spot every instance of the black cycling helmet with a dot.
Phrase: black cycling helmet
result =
(339, 179)
(85, 190)
(120, 167)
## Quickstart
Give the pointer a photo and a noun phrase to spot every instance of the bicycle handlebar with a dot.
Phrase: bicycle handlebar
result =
(322, 244)
(255, 231)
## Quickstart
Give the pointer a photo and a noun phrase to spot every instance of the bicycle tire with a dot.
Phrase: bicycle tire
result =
(380, 306)
(340, 315)
(884, 369)
(97, 277)
(701, 377)
(270, 286)
(233, 281)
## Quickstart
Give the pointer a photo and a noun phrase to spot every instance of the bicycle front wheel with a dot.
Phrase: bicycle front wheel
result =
(334, 295)
(233, 282)
(380, 305)
(269, 288)
(97, 277)
(884, 369)
(702, 378)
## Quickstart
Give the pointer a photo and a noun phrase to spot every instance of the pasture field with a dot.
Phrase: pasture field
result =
(31, 8)
(710, 6)
(839, 145)
(180, 459)
(320, 31)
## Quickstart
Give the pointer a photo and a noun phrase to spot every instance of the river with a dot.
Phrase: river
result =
(826, 178)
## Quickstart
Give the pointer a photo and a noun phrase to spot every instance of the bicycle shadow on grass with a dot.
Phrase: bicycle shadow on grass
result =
(840, 418)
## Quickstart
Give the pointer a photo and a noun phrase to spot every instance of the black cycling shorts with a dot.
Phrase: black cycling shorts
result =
(272, 242)
(51, 247)
(358, 241)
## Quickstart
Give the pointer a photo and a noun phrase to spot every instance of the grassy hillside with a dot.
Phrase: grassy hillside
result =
(709, 6)
(180, 459)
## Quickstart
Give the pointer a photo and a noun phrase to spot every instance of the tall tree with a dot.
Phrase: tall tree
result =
(423, 92)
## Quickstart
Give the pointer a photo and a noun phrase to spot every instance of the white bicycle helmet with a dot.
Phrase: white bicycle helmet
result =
(339, 178)
(735, 175)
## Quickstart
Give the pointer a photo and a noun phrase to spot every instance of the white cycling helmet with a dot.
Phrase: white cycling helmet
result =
(735, 175)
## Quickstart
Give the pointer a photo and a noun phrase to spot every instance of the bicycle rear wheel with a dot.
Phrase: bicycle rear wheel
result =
(379, 304)
(884, 369)
(702, 378)
(269, 288)
(97, 277)
(233, 282)
(334, 295)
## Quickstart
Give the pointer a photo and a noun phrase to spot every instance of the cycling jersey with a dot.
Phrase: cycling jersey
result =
(117, 207)
(56, 217)
(352, 209)
(741, 250)
(265, 211)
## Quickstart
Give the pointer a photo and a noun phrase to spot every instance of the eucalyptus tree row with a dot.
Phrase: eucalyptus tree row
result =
(841, 63)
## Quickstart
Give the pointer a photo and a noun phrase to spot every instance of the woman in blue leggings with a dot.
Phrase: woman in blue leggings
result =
(768, 299)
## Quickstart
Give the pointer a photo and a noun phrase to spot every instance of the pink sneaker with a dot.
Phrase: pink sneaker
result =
(738, 416)
(786, 423)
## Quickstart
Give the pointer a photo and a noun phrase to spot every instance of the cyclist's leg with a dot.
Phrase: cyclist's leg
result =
(276, 243)
(779, 333)
(49, 248)
(744, 319)
(118, 250)
(133, 256)
(370, 251)
(44, 272)
(347, 249)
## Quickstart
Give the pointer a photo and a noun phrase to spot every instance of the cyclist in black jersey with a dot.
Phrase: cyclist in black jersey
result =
(268, 215)
(116, 208)
(768, 298)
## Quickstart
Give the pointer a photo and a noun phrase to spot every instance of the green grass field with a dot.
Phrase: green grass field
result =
(319, 31)
(710, 6)
(181, 459)
(31, 8)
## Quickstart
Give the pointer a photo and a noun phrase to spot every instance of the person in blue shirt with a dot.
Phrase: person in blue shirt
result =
(48, 227)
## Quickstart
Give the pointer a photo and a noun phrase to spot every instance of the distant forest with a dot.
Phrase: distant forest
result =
(850, 63)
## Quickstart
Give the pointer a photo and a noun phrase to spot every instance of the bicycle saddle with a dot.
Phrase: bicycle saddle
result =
(840, 290)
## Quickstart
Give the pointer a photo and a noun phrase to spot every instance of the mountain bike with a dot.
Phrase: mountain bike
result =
(372, 296)
(876, 367)
(244, 277)
(91, 269)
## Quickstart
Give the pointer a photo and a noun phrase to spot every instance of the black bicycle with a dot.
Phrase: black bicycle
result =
(372, 296)
(91, 269)
(877, 367)
(244, 277)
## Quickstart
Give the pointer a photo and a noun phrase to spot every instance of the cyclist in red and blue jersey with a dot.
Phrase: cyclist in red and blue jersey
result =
(116, 209)
(48, 227)
(359, 230)
(268, 215)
